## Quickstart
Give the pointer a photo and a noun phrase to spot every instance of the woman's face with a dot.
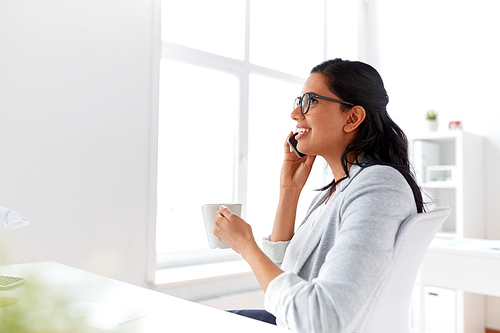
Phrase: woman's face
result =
(322, 128)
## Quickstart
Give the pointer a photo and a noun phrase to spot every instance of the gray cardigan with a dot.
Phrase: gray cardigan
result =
(346, 253)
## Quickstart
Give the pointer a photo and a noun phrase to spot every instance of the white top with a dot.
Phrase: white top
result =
(296, 244)
(277, 251)
(299, 239)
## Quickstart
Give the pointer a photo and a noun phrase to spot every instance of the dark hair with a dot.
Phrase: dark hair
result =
(380, 140)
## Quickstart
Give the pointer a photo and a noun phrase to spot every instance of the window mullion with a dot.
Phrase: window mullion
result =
(274, 74)
(241, 167)
(192, 56)
(241, 170)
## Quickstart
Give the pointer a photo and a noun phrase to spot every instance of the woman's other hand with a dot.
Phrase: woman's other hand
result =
(295, 170)
(233, 230)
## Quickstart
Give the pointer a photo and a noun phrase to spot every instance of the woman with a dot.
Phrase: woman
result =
(319, 278)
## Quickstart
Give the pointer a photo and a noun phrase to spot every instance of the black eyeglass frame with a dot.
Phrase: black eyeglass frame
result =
(298, 101)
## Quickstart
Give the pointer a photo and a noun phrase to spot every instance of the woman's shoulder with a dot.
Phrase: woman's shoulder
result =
(378, 185)
(384, 171)
(377, 175)
(379, 170)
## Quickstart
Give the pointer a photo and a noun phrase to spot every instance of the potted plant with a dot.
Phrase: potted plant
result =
(432, 122)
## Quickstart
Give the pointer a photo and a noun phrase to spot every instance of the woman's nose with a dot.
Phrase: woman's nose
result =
(296, 113)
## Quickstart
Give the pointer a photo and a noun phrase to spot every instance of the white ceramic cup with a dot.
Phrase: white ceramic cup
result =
(208, 216)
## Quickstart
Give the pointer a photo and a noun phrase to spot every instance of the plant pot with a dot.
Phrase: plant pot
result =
(432, 124)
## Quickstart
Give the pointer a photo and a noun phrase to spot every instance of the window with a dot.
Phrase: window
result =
(197, 141)
(229, 73)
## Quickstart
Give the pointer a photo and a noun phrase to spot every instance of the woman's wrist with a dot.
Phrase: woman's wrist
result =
(288, 200)
(284, 223)
(264, 269)
(290, 193)
(249, 250)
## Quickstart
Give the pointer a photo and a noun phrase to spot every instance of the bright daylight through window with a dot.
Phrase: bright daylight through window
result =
(228, 79)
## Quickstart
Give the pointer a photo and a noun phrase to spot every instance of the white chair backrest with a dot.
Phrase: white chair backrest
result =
(388, 310)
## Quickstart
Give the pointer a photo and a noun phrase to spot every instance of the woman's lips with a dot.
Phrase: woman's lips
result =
(301, 132)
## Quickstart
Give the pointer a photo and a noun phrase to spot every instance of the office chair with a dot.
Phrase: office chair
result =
(388, 310)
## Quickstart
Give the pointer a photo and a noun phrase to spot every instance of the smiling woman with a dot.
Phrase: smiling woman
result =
(319, 276)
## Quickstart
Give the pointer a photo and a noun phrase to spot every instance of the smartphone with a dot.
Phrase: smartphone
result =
(293, 143)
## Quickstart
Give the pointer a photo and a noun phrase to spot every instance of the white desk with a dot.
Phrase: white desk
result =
(102, 304)
(471, 265)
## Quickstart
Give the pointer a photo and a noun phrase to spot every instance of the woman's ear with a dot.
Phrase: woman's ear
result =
(356, 116)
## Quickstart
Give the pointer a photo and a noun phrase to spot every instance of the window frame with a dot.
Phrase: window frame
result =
(242, 69)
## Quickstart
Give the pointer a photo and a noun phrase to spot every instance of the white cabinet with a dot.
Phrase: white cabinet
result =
(440, 310)
(450, 169)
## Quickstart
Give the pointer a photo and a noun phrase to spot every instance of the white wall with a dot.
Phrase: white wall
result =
(76, 103)
(443, 55)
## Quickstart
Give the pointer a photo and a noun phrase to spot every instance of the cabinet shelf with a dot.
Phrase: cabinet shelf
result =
(450, 170)
(440, 184)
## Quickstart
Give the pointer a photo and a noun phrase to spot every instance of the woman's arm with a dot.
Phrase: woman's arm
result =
(284, 222)
(235, 232)
(294, 174)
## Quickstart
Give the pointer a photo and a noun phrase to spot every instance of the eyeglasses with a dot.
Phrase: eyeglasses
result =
(305, 101)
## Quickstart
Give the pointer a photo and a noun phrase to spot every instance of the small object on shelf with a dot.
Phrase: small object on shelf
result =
(455, 125)
(432, 122)
(440, 173)
(432, 125)
(425, 153)
(432, 114)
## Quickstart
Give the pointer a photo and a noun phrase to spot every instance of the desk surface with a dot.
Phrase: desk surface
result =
(100, 304)
(471, 265)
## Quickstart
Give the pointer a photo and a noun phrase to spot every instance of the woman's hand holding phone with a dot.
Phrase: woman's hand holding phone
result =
(295, 169)
(294, 174)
